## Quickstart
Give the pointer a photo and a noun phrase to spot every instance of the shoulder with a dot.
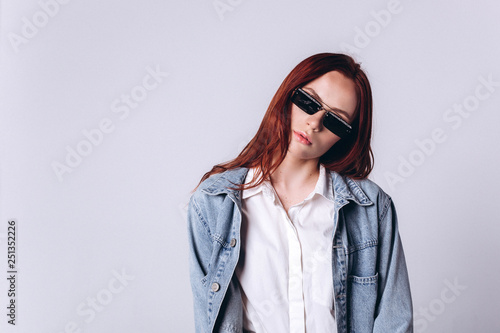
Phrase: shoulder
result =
(212, 203)
(369, 194)
(370, 188)
(208, 192)
(221, 182)
(377, 194)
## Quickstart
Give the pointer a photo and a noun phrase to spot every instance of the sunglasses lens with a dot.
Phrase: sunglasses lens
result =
(304, 102)
(336, 126)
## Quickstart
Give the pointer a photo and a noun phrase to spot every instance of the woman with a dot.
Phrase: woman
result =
(291, 236)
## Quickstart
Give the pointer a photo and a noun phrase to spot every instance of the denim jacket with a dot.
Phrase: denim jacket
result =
(370, 278)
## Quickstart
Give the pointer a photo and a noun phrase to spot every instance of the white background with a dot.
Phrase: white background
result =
(121, 209)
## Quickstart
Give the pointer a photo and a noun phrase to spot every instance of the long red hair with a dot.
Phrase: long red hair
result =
(351, 156)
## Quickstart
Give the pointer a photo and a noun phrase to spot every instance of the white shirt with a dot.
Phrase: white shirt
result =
(285, 264)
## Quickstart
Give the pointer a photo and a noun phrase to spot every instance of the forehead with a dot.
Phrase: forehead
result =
(337, 91)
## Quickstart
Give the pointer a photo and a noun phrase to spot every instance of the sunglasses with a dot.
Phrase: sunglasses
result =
(331, 121)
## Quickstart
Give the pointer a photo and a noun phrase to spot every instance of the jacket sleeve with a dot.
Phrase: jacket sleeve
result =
(394, 312)
(200, 249)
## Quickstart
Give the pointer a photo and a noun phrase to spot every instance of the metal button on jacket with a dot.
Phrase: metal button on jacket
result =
(233, 242)
(215, 286)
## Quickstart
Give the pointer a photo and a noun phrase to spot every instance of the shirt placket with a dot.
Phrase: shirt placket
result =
(295, 279)
(296, 306)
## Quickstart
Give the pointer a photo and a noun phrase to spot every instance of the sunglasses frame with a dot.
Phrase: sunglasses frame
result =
(310, 105)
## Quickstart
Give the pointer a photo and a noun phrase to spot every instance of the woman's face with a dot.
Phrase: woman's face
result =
(336, 93)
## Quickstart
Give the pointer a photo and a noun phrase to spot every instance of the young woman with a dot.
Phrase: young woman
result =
(291, 236)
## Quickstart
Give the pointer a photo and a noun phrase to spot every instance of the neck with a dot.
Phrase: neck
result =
(295, 173)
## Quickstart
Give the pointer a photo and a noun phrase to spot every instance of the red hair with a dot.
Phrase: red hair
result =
(351, 156)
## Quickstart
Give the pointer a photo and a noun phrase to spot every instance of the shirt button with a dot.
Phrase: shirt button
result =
(215, 286)
(233, 242)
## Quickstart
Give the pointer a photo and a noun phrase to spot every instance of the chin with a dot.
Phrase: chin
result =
(303, 156)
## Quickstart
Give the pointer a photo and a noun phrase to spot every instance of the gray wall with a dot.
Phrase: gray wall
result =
(99, 155)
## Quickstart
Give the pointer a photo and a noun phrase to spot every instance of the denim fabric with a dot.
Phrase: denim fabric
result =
(370, 277)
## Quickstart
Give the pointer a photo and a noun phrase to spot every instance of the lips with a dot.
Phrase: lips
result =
(302, 137)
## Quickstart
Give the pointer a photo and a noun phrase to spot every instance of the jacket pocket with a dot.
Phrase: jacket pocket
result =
(205, 278)
(361, 302)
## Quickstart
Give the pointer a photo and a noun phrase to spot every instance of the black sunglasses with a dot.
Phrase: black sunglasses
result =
(331, 121)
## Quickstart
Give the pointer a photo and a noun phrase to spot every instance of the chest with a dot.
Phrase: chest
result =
(289, 198)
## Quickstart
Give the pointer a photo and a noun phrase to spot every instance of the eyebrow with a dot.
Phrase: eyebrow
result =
(312, 92)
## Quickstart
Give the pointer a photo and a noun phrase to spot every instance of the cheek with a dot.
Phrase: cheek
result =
(331, 139)
(334, 139)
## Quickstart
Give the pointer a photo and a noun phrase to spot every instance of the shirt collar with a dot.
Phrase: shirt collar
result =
(323, 186)
(264, 187)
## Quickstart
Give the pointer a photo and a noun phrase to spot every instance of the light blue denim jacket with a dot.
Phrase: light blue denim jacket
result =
(370, 278)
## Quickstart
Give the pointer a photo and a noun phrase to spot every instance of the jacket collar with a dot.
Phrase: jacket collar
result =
(344, 187)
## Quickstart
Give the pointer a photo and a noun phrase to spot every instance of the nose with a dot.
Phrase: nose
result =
(315, 121)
